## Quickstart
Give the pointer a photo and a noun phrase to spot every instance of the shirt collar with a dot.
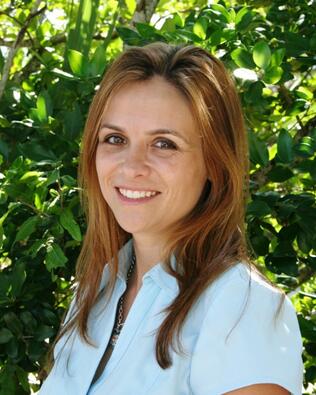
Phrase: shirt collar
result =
(157, 273)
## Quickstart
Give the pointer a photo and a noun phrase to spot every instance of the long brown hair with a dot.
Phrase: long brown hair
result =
(208, 240)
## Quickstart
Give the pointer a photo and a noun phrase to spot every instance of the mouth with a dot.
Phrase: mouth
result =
(136, 196)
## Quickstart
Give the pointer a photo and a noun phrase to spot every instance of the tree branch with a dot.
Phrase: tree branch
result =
(8, 63)
(144, 11)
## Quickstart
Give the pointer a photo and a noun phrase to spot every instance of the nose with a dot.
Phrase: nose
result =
(135, 162)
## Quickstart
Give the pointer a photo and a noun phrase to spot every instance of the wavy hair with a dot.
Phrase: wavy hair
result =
(211, 238)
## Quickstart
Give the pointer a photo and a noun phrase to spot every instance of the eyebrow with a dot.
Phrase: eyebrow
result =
(150, 132)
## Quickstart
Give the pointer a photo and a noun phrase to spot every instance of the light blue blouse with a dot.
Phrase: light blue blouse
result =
(229, 342)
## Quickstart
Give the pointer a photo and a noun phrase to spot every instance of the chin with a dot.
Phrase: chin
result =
(132, 228)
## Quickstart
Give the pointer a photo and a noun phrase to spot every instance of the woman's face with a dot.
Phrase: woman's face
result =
(149, 159)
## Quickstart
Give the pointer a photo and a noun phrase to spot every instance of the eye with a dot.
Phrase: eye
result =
(114, 139)
(166, 144)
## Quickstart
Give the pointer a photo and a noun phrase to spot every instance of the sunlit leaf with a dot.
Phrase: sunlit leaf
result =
(131, 5)
(199, 28)
(273, 74)
(220, 8)
(261, 54)
(242, 58)
(277, 57)
(76, 62)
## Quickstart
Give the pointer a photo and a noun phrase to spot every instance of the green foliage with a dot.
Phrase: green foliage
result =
(269, 46)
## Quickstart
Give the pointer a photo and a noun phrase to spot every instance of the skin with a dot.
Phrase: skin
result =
(259, 389)
(130, 155)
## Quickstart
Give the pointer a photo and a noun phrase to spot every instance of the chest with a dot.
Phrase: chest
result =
(132, 368)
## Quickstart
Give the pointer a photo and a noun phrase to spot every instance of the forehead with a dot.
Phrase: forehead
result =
(152, 103)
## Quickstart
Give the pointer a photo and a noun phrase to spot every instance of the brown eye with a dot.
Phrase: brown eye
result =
(114, 140)
(166, 144)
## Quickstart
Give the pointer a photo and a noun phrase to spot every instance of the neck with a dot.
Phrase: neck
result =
(148, 254)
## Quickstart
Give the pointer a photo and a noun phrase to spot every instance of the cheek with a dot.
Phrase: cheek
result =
(104, 163)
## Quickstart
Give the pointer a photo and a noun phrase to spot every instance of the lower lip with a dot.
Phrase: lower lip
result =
(135, 201)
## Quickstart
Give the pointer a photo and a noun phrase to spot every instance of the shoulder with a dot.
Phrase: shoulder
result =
(243, 284)
(242, 297)
(249, 335)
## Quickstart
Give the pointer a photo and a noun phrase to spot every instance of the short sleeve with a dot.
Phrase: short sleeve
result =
(241, 343)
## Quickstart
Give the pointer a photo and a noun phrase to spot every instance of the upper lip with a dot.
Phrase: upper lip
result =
(138, 189)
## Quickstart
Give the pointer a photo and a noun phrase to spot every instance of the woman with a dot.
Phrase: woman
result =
(178, 309)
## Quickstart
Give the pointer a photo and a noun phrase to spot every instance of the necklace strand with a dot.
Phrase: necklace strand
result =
(119, 321)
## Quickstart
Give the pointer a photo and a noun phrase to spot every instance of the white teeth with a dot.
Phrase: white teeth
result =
(136, 194)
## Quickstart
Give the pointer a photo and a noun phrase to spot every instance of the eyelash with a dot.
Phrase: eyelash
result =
(170, 144)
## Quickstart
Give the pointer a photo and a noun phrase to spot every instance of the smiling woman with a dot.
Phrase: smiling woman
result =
(167, 300)
(141, 159)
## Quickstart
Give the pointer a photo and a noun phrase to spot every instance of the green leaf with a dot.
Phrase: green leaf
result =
(147, 31)
(258, 208)
(28, 321)
(178, 20)
(36, 151)
(13, 323)
(305, 147)
(44, 332)
(280, 174)
(240, 14)
(5, 335)
(4, 284)
(243, 21)
(259, 153)
(76, 62)
(285, 146)
(129, 36)
(304, 93)
(18, 277)
(272, 75)
(220, 8)
(288, 233)
(98, 61)
(31, 175)
(131, 6)
(23, 379)
(304, 241)
(12, 348)
(242, 58)
(4, 149)
(295, 43)
(73, 123)
(27, 228)
(68, 222)
(36, 348)
(199, 28)
(253, 94)
(7, 380)
(277, 57)
(307, 327)
(282, 265)
(49, 317)
(262, 54)
(53, 177)
(55, 257)
(41, 109)
(171, 24)
(260, 244)
(63, 74)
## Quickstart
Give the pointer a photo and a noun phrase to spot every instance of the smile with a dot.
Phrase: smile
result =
(136, 195)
